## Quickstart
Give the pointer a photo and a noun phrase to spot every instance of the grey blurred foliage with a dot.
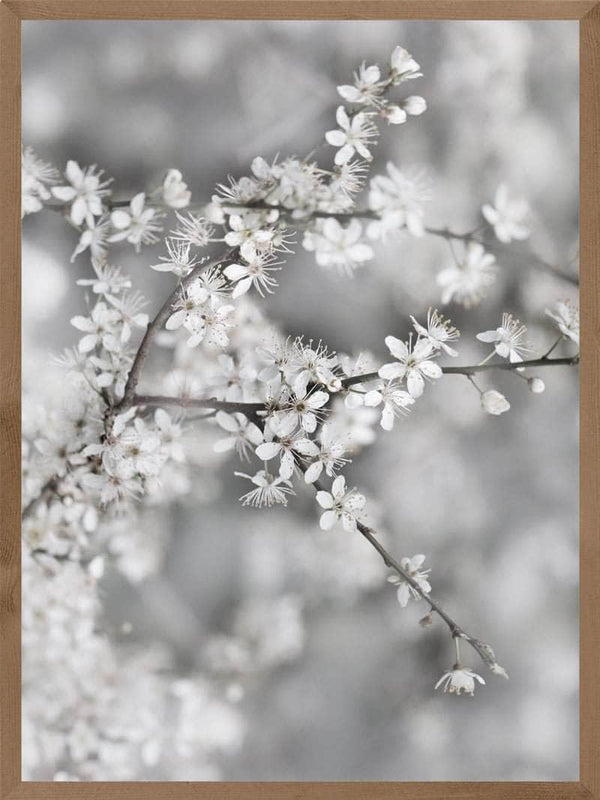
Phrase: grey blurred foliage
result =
(491, 501)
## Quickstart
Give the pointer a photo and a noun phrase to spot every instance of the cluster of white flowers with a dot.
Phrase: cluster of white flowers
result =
(291, 409)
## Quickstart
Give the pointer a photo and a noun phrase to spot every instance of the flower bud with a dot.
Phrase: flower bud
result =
(414, 105)
(494, 403)
(536, 385)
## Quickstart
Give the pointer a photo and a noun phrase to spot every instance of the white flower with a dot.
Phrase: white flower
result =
(438, 331)
(179, 260)
(330, 457)
(203, 322)
(340, 504)
(108, 280)
(507, 216)
(353, 137)
(85, 193)
(413, 363)
(493, 402)
(129, 306)
(36, 175)
(467, 281)
(367, 88)
(311, 363)
(271, 489)
(566, 316)
(412, 566)
(170, 436)
(94, 237)
(244, 435)
(412, 106)
(336, 246)
(403, 65)
(395, 401)
(253, 273)
(459, 679)
(253, 227)
(139, 225)
(507, 339)
(498, 670)
(197, 231)
(287, 448)
(398, 199)
(174, 190)
(100, 328)
(300, 409)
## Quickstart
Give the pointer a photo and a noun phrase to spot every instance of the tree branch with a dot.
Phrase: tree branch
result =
(156, 324)
(196, 402)
(569, 361)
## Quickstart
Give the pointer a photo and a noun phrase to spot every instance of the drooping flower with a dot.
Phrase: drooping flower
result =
(353, 136)
(493, 402)
(507, 217)
(270, 489)
(84, 192)
(459, 679)
(508, 339)
(340, 504)
(566, 317)
(467, 281)
(412, 566)
(413, 364)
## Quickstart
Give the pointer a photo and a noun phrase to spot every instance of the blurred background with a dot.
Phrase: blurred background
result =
(346, 692)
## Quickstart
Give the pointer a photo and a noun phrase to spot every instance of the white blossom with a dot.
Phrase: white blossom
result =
(108, 281)
(367, 88)
(353, 136)
(338, 246)
(174, 191)
(329, 458)
(398, 199)
(566, 317)
(508, 339)
(288, 448)
(341, 504)
(412, 566)
(84, 192)
(403, 65)
(255, 272)
(244, 436)
(36, 177)
(100, 328)
(94, 237)
(270, 489)
(195, 230)
(139, 225)
(395, 402)
(180, 261)
(413, 364)
(438, 331)
(468, 280)
(507, 217)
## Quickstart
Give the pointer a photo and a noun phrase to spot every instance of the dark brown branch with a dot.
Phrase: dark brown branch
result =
(196, 402)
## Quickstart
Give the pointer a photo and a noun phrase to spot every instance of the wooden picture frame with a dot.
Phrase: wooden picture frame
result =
(11, 14)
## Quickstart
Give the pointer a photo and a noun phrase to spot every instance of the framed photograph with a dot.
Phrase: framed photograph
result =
(299, 433)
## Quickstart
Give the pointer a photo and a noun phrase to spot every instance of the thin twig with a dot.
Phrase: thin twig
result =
(569, 361)
(156, 324)
(197, 402)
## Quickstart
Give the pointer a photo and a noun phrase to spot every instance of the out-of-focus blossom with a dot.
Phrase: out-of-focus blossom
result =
(493, 402)
(468, 280)
(566, 317)
(175, 192)
(507, 217)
